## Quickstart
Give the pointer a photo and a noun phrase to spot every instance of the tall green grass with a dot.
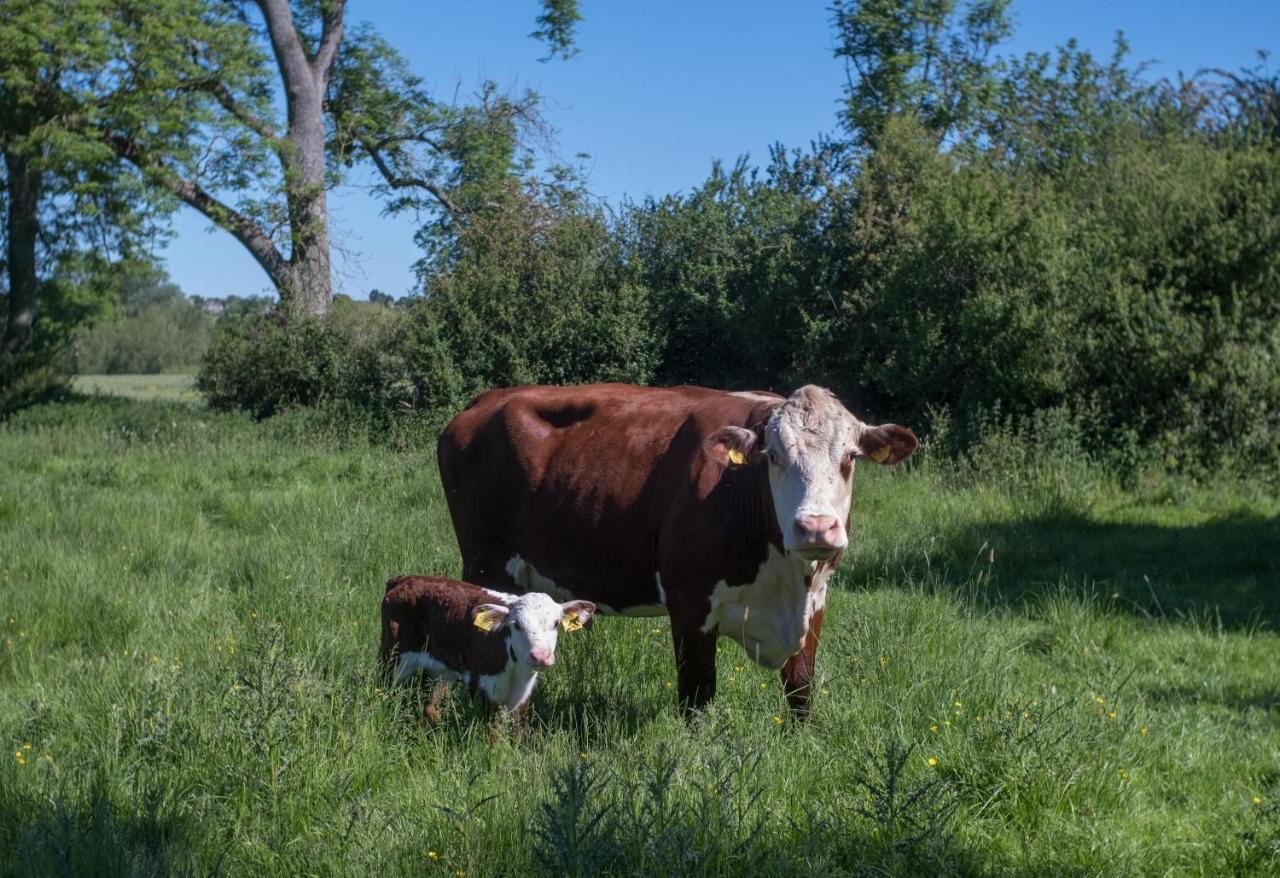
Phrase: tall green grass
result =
(1035, 669)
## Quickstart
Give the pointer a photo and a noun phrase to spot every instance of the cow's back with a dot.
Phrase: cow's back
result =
(576, 483)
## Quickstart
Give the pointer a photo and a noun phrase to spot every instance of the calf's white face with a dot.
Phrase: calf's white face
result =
(533, 621)
(811, 443)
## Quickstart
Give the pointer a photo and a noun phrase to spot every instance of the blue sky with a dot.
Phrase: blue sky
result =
(660, 89)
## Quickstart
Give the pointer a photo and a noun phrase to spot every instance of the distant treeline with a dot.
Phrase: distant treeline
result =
(154, 327)
(1008, 245)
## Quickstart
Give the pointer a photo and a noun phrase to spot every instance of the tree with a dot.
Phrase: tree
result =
(916, 58)
(62, 191)
(213, 140)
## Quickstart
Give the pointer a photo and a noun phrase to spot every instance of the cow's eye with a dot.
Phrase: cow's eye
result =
(774, 458)
(515, 625)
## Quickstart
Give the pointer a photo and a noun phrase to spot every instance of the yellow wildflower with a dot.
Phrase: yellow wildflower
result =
(433, 856)
(1142, 731)
(1111, 715)
(777, 720)
(1257, 800)
(934, 728)
(1100, 699)
(933, 760)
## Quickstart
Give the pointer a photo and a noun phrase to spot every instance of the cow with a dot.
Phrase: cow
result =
(453, 630)
(726, 511)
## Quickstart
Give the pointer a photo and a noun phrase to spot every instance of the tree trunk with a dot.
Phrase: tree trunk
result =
(310, 278)
(309, 288)
(23, 227)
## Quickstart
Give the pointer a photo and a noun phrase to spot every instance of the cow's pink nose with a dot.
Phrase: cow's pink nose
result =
(542, 658)
(819, 530)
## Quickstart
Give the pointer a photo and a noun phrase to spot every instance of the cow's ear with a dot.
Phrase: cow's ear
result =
(732, 446)
(887, 443)
(575, 614)
(487, 617)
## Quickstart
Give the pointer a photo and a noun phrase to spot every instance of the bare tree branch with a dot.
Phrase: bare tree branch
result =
(395, 181)
(228, 101)
(245, 230)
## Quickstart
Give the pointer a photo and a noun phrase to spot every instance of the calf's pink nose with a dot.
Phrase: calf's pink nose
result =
(543, 658)
(822, 530)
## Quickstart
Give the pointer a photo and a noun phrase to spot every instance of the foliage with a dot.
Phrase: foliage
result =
(919, 59)
(158, 330)
(188, 622)
(1094, 243)
(531, 294)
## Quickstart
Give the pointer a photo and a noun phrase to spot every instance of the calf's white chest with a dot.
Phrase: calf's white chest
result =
(770, 616)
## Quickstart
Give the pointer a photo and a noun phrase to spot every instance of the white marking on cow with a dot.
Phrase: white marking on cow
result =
(410, 664)
(807, 439)
(528, 578)
(510, 688)
(662, 592)
(758, 397)
(770, 616)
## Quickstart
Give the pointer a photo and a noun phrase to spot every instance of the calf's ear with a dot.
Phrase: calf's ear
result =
(732, 446)
(486, 617)
(887, 443)
(575, 614)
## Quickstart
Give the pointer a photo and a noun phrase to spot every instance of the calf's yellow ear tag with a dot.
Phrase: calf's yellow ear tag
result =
(569, 621)
(881, 454)
(736, 457)
(485, 621)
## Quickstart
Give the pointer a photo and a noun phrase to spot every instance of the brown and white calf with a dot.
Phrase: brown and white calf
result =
(452, 630)
(726, 511)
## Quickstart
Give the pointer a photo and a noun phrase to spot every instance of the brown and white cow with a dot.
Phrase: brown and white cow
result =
(727, 511)
(453, 630)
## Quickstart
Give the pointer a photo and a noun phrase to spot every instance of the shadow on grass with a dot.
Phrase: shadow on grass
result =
(1224, 572)
(67, 834)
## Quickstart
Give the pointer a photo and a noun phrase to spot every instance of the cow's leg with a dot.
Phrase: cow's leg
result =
(797, 673)
(695, 664)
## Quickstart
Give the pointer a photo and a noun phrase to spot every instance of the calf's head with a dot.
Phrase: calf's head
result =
(810, 444)
(533, 624)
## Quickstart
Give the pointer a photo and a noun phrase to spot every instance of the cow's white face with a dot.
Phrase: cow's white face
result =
(533, 621)
(811, 443)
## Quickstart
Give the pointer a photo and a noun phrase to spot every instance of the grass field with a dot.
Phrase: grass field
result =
(1025, 673)
(169, 388)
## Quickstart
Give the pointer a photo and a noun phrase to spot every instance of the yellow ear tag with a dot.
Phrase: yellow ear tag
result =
(881, 454)
(570, 623)
(484, 621)
(736, 457)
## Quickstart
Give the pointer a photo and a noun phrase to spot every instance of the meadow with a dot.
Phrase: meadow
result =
(1030, 667)
(166, 387)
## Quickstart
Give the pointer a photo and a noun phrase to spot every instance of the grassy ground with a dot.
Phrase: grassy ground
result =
(169, 388)
(1033, 674)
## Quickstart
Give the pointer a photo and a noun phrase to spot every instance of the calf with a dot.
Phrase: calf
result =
(454, 630)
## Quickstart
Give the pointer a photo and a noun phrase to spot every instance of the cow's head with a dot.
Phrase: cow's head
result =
(810, 444)
(533, 622)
